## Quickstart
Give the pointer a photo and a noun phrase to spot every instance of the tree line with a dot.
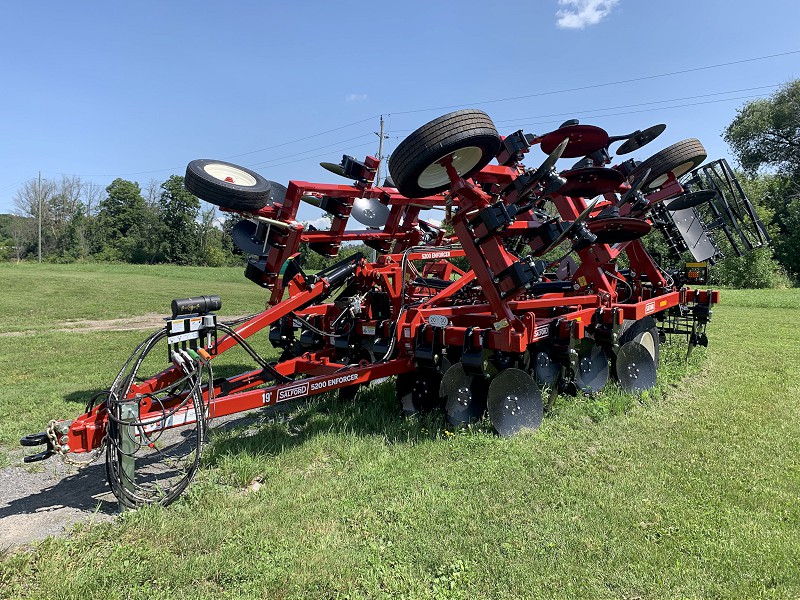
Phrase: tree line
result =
(163, 223)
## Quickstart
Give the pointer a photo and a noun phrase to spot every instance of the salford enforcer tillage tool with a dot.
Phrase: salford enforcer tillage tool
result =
(556, 293)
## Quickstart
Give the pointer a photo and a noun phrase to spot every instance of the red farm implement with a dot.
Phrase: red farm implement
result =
(537, 283)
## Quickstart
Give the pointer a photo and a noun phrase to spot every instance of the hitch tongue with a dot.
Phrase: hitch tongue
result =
(37, 439)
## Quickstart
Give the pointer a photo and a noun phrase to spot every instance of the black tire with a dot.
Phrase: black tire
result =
(459, 130)
(252, 194)
(644, 331)
(677, 159)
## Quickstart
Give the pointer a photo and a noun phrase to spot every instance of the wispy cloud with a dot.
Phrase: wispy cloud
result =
(355, 97)
(578, 14)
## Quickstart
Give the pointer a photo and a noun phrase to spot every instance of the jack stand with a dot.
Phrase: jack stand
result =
(129, 413)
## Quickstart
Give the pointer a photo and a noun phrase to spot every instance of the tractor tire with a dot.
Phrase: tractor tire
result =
(227, 185)
(678, 159)
(469, 135)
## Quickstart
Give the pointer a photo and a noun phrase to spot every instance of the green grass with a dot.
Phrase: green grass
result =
(38, 297)
(691, 492)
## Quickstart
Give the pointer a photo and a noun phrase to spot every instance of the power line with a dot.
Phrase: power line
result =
(606, 84)
(632, 112)
(565, 114)
(490, 101)
(316, 148)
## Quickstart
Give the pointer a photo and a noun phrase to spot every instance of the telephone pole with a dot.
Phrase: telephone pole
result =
(39, 204)
(381, 137)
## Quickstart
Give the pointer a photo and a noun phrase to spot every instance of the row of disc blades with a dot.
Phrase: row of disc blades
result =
(513, 399)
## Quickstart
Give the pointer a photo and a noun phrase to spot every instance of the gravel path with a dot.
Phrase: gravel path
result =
(49, 498)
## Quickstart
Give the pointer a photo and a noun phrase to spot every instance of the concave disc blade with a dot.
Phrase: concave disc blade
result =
(545, 370)
(590, 182)
(333, 168)
(640, 138)
(464, 395)
(370, 212)
(550, 161)
(592, 374)
(514, 402)
(614, 230)
(277, 193)
(636, 369)
(583, 140)
(691, 200)
(242, 234)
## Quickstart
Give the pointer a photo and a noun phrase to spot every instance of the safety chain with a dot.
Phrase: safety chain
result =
(63, 450)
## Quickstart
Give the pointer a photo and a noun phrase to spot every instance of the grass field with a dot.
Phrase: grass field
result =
(692, 492)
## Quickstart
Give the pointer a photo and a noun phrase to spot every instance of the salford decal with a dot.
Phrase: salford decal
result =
(649, 307)
(293, 391)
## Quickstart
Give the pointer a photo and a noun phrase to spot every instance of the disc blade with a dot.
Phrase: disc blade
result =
(572, 227)
(691, 200)
(614, 230)
(370, 212)
(514, 402)
(545, 370)
(242, 234)
(312, 200)
(590, 182)
(333, 168)
(640, 138)
(551, 160)
(636, 369)
(464, 395)
(277, 193)
(583, 140)
(592, 374)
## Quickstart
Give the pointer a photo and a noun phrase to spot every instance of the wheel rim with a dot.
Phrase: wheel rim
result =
(677, 172)
(435, 175)
(647, 340)
(230, 174)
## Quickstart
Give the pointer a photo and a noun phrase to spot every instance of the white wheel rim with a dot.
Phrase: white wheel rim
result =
(678, 171)
(230, 174)
(646, 340)
(463, 160)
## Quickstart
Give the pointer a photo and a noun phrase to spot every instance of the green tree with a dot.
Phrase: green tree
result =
(765, 138)
(179, 213)
(121, 215)
(766, 132)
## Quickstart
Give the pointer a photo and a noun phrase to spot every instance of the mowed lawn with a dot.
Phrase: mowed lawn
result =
(692, 492)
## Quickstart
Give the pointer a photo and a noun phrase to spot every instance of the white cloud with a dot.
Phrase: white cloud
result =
(355, 97)
(320, 223)
(582, 13)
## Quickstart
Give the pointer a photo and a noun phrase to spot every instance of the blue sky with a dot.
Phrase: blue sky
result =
(136, 90)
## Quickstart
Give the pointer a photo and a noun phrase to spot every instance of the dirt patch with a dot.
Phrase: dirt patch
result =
(141, 322)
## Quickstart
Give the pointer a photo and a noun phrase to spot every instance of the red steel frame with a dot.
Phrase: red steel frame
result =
(501, 321)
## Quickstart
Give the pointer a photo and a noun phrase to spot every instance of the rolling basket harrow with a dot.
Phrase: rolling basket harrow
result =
(537, 283)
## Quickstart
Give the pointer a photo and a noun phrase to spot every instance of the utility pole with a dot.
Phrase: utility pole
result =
(381, 137)
(39, 203)
(378, 181)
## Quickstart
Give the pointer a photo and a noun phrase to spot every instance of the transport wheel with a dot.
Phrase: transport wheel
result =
(467, 136)
(678, 159)
(227, 185)
(644, 332)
